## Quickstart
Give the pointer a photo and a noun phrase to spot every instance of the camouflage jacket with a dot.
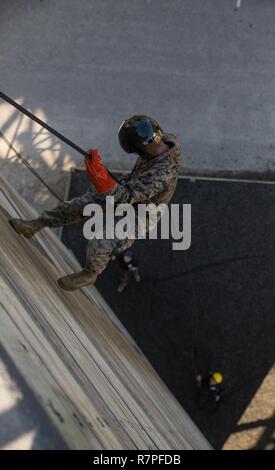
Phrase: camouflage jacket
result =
(151, 180)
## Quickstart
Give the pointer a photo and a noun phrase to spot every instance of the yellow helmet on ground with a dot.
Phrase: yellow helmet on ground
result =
(218, 377)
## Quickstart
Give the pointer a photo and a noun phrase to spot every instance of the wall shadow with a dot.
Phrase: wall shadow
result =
(32, 142)
(26, 415)
(44, 152)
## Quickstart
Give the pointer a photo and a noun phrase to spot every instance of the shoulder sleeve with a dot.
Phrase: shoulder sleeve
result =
(145, 187)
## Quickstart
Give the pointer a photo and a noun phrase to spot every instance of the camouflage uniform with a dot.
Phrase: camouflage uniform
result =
(151, 181)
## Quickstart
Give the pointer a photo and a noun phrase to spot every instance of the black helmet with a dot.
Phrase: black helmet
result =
(128, 253)
(139, 134)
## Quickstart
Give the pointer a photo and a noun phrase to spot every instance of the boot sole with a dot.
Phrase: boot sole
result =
(18, 231)
(61, 285)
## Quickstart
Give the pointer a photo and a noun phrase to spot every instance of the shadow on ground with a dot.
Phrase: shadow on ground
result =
(267, 438)
(42, 153)
(26, 416)
(230, 322)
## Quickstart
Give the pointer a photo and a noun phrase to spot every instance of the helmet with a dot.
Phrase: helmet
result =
(217, 376)
(128, 253)
(139, 134)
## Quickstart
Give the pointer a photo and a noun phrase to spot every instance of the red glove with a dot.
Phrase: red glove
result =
(102, 180)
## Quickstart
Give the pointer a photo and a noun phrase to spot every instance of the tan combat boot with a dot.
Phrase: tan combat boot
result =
(27, 228)
(77, 280)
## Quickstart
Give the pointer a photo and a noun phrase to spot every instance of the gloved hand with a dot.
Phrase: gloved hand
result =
(102, 180)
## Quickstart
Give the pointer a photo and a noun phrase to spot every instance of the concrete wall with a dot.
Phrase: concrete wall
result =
(204, 68)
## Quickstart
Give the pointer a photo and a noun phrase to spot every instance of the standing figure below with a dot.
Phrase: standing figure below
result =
(211, 381)
(128, 265)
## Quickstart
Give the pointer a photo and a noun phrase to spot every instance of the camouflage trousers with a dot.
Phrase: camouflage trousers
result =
(124, 275)
(98, 252)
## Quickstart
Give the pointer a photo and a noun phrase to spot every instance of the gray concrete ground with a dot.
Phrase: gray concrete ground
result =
(204, 68)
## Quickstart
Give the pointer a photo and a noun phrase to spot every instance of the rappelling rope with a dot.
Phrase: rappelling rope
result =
(29, 167)
(53, 131)
(43, 124)
(50, 129)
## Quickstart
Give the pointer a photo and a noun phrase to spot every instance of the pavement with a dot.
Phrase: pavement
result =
(219, 317)
(204, 68)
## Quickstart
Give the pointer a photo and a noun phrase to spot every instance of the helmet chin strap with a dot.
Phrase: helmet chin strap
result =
(141, 153)
(145, 155)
